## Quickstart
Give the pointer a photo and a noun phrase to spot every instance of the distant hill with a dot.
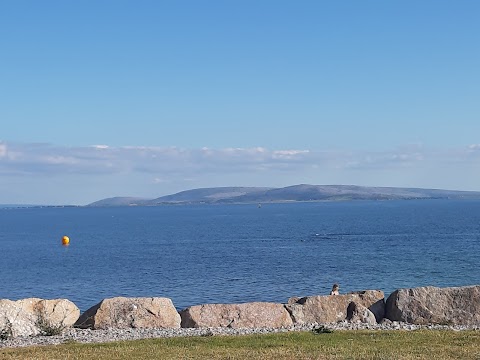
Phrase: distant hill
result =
(303, 192)
(204, 195)
(209, 195)
(120, 201)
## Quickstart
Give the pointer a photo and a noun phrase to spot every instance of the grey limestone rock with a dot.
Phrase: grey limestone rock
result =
(33, 316)
(124, 313)
(433, 305)
(357, 313)
(333, 308)
(247, 315)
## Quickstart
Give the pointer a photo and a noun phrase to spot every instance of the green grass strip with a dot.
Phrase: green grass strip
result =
(422, 344)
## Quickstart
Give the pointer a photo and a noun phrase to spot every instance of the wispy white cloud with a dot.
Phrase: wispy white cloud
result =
(388, 159)
(92, 172)
(45, 158)
(100, 159)
(3, 150)
(288, 154)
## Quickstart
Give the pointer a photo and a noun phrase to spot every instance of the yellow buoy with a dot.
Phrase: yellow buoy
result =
(65, 240)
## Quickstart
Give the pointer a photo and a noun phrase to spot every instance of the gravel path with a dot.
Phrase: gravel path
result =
(102, 336)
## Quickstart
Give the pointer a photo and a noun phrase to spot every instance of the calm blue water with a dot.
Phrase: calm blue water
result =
(237, 253)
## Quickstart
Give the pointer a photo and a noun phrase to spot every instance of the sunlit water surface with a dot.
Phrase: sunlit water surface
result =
(237, 253)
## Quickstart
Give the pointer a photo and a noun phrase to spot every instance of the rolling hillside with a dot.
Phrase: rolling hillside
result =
(303, 192)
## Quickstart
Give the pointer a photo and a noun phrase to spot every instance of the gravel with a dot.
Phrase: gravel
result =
(109, 335)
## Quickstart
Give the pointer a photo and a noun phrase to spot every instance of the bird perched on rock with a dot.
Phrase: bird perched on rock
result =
(335, 289)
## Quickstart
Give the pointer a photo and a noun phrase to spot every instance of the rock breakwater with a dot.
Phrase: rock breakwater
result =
(135, 318)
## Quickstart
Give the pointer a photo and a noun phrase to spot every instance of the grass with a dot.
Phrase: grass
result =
(422, 344)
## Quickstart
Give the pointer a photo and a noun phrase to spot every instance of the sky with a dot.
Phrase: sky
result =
(146, 98)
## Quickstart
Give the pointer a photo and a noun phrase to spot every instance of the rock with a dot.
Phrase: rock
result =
(386, 322)
(357, 313)
(432, 305)
(333, 308)
(125, 313)
(293, 300)
(248, 315)
(35, 316)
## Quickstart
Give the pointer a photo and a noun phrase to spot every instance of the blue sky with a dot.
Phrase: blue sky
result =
(145, 98)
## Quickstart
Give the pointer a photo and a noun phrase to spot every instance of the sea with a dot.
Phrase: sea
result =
(198, 254)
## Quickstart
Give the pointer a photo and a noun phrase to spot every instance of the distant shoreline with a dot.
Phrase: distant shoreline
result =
(258, 204)
(289, 194)
(18, 207)
(302, 193)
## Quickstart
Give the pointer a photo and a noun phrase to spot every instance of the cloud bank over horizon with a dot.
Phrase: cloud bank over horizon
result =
(80, 174)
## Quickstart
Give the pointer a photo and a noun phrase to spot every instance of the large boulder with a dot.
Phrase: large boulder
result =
(357, 313)
(247, 315)
(333, 308)
(433, 305)
(124, 313)
(35, 316)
